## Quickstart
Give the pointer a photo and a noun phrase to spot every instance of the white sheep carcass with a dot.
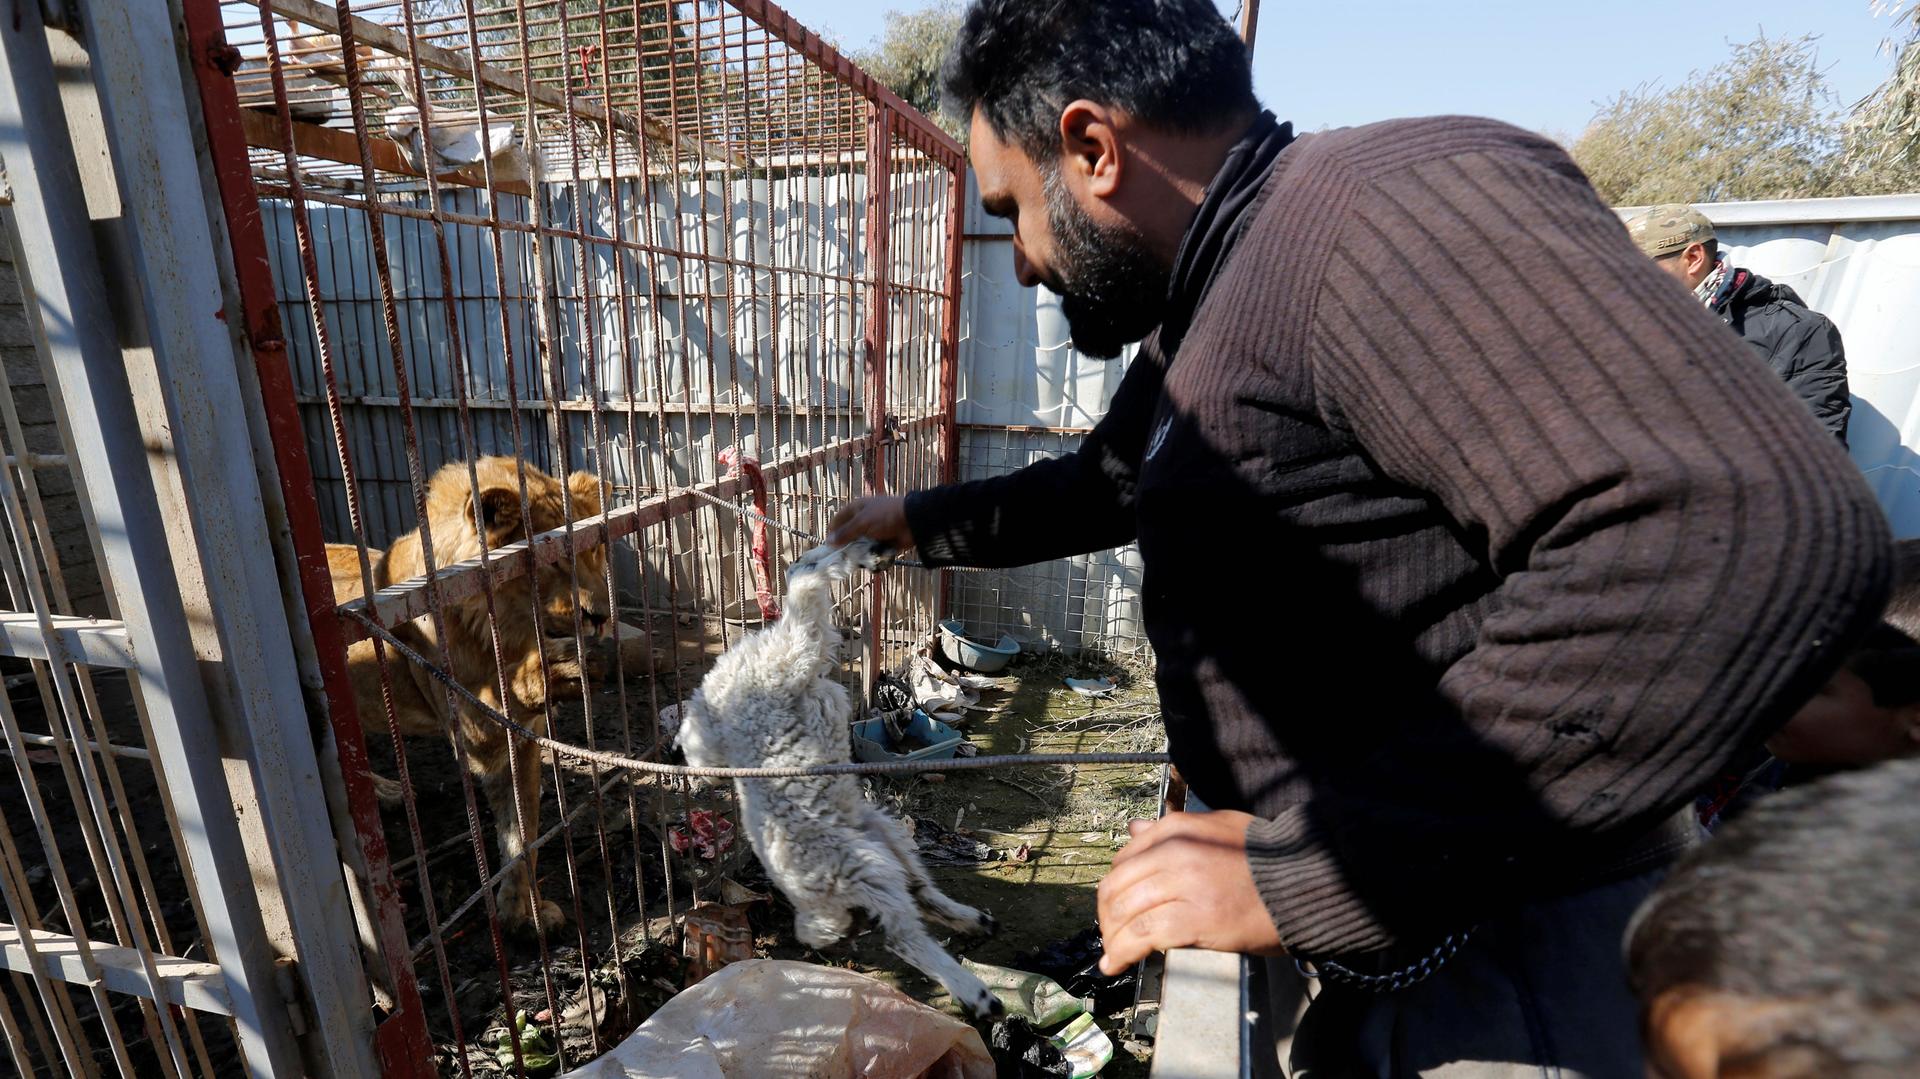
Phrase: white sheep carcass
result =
(772, 701)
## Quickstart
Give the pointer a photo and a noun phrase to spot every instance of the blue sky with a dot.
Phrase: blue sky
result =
(1542, 64)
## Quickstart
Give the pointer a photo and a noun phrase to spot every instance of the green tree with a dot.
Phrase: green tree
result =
(1761, 125)
(907, 58)
(1883, 135)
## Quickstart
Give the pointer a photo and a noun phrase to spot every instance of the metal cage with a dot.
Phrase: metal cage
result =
(686, 248)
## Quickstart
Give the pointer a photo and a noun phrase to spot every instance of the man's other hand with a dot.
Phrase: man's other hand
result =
(881, 518)
(1183, 882)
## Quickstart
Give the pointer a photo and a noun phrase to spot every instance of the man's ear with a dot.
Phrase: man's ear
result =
(499, 514)
(1090, 146)
(1697, 258)
(1908, 716)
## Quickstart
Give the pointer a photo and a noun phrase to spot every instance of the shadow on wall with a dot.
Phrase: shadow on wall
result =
(1892, 468)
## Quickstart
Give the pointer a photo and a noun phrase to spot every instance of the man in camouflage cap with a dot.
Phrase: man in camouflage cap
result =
(1802, 346)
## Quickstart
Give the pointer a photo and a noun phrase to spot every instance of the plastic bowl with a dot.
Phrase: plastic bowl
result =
(975, 654)
(870, 740)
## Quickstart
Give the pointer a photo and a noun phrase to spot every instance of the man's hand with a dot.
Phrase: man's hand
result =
(881, 518)
(1183, 882)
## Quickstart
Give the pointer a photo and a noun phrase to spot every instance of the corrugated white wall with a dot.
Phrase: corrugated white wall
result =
(1857, 260)
(1024, 395)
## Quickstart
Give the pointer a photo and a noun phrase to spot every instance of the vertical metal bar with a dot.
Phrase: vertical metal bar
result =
(139, 73)
(376, 229)
(71, 1036)
(950, 358)
(403, 1037)
(87, 365)
(879, 255)
(589, 360)
(457, 355)
(75, 1051)
(624, 305)
(552, 362)
(89, 700)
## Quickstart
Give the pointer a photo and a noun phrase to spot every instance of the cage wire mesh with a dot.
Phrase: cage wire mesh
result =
(99, 904)
(1084, 604)
(542, 267)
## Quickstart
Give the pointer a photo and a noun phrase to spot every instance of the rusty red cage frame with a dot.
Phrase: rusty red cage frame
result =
(619, 234)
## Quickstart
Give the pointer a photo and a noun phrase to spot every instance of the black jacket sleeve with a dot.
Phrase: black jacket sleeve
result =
(1817, 363)
(1061, 506)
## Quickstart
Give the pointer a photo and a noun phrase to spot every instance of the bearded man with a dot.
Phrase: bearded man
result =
(1470, 550)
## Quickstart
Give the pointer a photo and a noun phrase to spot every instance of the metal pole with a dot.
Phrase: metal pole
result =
(402, 1040)
(140, 72)
(879, 255)
(87, 365)
(1249, 22)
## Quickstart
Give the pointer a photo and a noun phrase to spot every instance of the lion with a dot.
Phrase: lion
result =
(540, 659)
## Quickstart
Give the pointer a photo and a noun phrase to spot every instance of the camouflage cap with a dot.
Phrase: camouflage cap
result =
(1669, 229)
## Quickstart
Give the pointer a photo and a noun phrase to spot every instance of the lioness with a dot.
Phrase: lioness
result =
(420, 704)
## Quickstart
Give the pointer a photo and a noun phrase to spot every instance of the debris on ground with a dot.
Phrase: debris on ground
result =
(734, 893)
(715, 936)
(536, 1049)
(890, 694)
(1087, 1047)
(934, 688)
(1034, 997)
(669, 719)
(1021, 1052)
(704, 832)
(1091, 687)
(814, 1020)
(940, 845)
(1075, 964)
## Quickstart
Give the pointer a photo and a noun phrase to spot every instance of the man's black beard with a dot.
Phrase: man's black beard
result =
(1112, 290)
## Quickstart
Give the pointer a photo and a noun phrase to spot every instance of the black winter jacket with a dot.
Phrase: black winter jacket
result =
(1801, 345)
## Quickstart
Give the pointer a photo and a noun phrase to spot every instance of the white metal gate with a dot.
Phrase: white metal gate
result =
(166, 854)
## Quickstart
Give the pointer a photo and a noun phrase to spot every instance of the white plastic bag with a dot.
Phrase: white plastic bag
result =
(776, 1018)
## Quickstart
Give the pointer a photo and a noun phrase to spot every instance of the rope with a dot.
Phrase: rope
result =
(817, 540)
(616, 760)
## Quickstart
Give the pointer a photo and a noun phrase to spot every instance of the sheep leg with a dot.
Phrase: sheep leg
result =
(884, 893)
(937, 904)
(821, 926)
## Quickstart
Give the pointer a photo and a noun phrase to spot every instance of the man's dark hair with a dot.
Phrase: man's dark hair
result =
(1813, 897)
(1888, 661)
(1172, 64)
(1903, 607)
(1713, 249)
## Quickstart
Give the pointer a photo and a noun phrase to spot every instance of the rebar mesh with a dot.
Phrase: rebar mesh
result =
(590, 236)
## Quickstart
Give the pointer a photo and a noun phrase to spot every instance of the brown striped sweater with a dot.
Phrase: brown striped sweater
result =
(1472, 544)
